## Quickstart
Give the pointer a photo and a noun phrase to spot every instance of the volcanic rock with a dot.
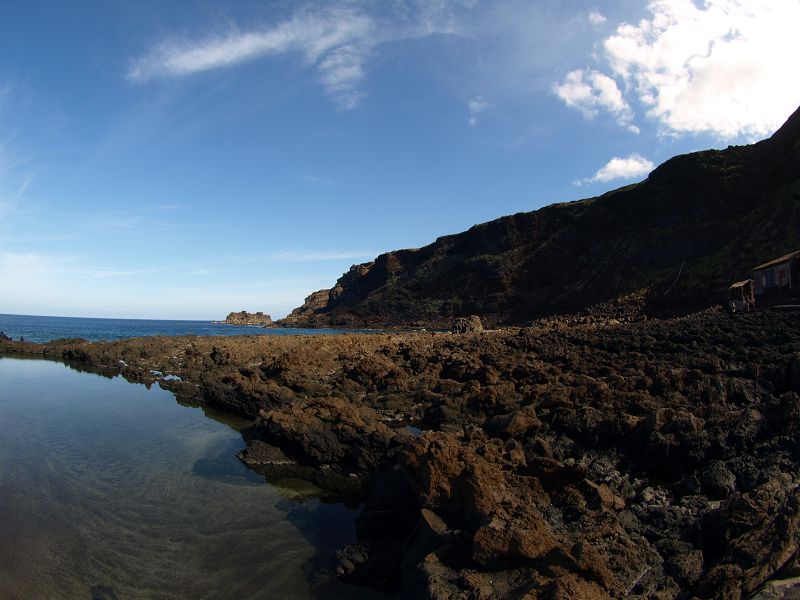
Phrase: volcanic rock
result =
(671, 243)
(246, 318)
(471, 324)
(584, 459)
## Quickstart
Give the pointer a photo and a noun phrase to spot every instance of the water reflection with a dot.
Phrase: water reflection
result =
(110, 490)
(225, 467)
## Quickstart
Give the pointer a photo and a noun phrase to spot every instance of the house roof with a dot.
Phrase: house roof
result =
(777, 261)
(742, 283)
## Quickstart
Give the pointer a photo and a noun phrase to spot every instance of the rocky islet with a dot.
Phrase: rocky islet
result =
(247, 318)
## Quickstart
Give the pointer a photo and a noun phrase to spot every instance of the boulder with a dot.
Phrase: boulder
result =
(329, 432)
(717, 482)
(471, 324)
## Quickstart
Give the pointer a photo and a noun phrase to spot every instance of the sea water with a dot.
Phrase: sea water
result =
(110, 490)
(43, 329)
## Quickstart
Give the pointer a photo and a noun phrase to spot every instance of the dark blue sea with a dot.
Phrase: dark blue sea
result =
(43, 329)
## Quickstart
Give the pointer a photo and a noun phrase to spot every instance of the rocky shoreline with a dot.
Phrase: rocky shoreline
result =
(569, 459)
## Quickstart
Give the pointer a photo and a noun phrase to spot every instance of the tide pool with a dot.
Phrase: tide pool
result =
(110, 490)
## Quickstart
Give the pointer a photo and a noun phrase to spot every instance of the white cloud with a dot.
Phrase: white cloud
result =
(476, 106)
(620, 168)
(725, 67)
(591, 91)
(339, 38)
(336, 41)
(596, 18)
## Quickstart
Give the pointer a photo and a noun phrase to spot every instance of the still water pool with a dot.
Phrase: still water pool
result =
(110, 490)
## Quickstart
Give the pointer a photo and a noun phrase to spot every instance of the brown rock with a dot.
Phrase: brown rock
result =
(471, 324)
(602, 497)
(518, 424)
(246, 318)
(503, 543)
(329, 431)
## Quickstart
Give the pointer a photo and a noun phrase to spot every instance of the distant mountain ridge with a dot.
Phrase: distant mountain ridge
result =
(699, 222)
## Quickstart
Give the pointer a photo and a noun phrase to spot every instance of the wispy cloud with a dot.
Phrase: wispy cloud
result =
(724, 67)
(517, 42)
(135, 219)
(298, 256)
(33, 280)
(620, 168)
(5, 94)
(23, 186)
(336, 41)
(14, 264)
(15, 171)
(106, 273)
(294, 256)
(476, 106)
(336, 38)
(317, 180)
(36, 238)
(118, 221)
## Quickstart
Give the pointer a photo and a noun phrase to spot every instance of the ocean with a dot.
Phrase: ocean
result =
(43, 329)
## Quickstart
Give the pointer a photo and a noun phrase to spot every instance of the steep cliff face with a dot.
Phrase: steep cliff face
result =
(697, 223)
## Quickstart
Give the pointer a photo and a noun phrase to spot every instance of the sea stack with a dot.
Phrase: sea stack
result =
(246, 318)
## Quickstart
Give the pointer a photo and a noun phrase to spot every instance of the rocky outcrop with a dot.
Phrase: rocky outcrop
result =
(696, 224)
(329, 433)
(304, 315)
(577, 458)
(471, 324)
(246, 318)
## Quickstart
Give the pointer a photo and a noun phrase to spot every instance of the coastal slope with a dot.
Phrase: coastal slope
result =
(699, 222)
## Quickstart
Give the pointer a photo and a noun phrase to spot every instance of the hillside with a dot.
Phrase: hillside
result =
(704, 218)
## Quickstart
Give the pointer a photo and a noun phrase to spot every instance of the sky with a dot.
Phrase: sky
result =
(187, 159)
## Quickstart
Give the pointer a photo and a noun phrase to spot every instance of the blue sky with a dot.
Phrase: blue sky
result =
(186, 159)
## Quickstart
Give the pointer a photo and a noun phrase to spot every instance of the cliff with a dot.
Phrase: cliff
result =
(246, 318)
(680, 237)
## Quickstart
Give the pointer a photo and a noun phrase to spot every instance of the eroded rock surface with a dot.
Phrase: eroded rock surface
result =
(572, 459)
(247, 318)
